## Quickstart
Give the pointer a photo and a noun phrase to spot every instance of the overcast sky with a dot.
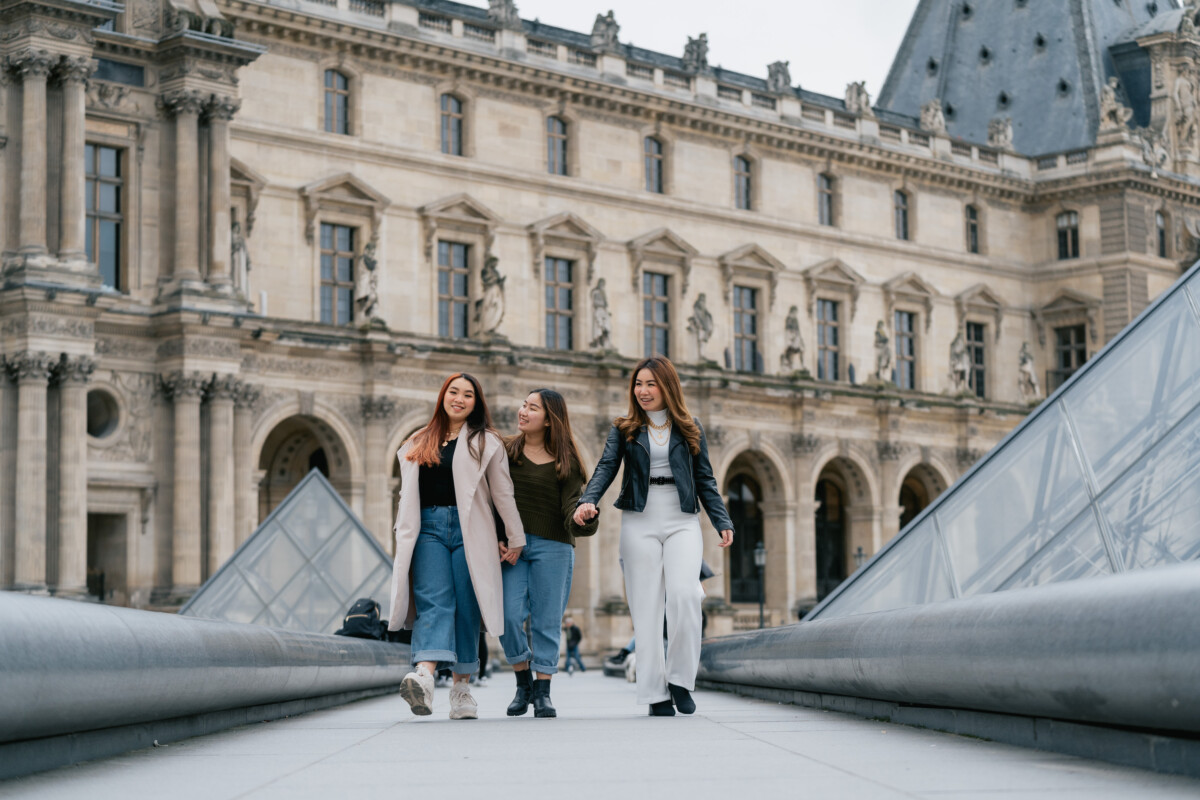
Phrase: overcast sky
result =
(828, 42)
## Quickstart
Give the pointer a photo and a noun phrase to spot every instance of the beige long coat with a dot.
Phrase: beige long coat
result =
(477, 487)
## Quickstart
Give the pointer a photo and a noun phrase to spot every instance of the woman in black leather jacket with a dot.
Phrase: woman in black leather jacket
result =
(667, 478)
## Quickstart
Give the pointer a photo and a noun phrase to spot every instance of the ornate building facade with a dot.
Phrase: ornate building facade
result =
(246, 239)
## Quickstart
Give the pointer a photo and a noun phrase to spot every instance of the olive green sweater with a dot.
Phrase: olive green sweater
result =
(546, 504)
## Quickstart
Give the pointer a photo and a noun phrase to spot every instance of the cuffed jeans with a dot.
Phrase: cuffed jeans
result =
(536, 587)
(447, 626)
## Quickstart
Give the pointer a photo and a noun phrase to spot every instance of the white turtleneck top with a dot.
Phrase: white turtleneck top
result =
(660, 463)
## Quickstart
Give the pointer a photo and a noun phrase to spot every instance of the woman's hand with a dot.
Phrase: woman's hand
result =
(509, 554)
(585, 512)
(726, 538)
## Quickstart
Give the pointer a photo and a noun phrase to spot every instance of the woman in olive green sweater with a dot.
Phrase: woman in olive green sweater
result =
(548, 477)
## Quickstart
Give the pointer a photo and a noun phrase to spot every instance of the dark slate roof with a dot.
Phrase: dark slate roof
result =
(1052, 91)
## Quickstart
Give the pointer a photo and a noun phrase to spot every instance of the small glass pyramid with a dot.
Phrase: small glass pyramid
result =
(303, 567)
(1103, 477)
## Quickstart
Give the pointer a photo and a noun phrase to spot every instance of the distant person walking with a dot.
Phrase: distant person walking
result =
(548, 477)
(574, 637)
(667, 476)
(454, 478)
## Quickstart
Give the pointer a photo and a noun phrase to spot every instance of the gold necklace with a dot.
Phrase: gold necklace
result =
(666, 433)
(662, 427)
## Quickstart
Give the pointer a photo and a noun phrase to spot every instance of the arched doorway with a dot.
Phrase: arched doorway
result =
(296, 446)
(918, 489)
(743, 498)
(831, 534)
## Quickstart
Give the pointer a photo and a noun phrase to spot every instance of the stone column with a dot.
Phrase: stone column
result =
(185, 390)
(72, 375)
(186, 105)
(219, 112)
(73, 74)
(32, 67)
(31, 371)
(377, 412)
(245, 501)
(221, 513)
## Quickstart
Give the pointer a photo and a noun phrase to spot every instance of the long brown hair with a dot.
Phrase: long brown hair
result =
(560, 442)
(426, 443)
(668, 383)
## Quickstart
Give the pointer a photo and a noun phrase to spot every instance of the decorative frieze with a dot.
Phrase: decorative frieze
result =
(804, 444)
(890, 451)
(377, 409)
(247, 396)
(223, 388)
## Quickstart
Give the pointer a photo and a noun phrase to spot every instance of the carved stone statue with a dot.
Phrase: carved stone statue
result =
(1026, 378)
(239, 257)
(933, 119)
(504, 12)
(779, 77)
(883, 354)
(489, 309)
(1113, 114)
(1000, 133)
(604, 32)
(700, 325)
(793, 343)
(695, 55)
(960, 365)
(1187, 25)
(858, 100)
(1155, 148)
(366, 286)
(601, 319)
(1183, 101)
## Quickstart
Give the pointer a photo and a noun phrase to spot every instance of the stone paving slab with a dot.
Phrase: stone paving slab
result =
(602, 746)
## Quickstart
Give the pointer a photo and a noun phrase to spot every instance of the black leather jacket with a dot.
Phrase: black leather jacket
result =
(693, 475)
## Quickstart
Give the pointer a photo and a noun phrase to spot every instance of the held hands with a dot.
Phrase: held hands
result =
(509, 554)
(585, 512)
(726, 538)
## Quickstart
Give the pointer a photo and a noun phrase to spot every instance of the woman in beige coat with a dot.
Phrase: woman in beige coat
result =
(453, 472)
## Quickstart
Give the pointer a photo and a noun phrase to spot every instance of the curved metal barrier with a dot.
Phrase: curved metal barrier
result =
(1120, 651)
(67, 667)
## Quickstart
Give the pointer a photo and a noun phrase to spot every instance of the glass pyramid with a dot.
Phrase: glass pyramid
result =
(1103, 477)
(303, 567)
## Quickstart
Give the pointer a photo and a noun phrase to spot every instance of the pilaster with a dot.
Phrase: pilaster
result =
(245, 487)
(377, 413)
(185, 389)
(72, 376)
(31, 371)
(185, 106)
(218, 112)
(72, 73)
(221, 393)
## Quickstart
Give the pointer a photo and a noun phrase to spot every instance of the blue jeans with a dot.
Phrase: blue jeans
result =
(447, 626)
(573, 655)
(536, 587)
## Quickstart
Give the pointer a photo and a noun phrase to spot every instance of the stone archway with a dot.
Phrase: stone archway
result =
(845, 523)
(920, 486)
(294, 447)
(755, 495)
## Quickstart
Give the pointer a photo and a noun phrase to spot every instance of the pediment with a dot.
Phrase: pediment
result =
(980, 296)
(347, 187)
(910, 284)
(1070, 300)
(566, 225)
(461, 207)
(239, 172)
(834, 271)
(752, 256)
(665, 242)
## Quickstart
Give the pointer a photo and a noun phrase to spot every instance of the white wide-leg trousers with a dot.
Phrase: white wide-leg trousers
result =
(661, 551)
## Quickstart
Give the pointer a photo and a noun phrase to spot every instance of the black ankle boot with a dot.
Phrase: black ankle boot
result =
(662, 708)
(683, 699)
(541, 699)
(520, 703)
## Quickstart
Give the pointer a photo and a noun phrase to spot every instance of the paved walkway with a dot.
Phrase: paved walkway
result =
(601, 747)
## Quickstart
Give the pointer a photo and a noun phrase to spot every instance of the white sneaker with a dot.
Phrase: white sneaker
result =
(417, 691)
(462, 705)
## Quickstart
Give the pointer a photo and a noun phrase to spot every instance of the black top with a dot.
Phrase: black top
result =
(436, 484)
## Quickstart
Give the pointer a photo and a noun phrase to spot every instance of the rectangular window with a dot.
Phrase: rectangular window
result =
(337, 102)
(338, 243)
(1068, 235)
(453, 289)
(741, 179)
(900, 207)
(906, 349)
(828, 341)
(825, 200)
(656, 314)
(556, 146)
(1070, 351)
(653, 152)
(977, 354)
(972, 229)
(103, 204)
(560, 304)
(452, 125)
(745, 330)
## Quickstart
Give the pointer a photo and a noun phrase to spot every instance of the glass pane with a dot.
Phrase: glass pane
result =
(459, 256)
(326, 237)
(1126, 402)
(327, 304)
(550, 331)
(343, 114)
(109, 163)
(110, 251)
(110, 197)
(564, 332)
(89, 159)
(550, 294)
(344, 243)
(564, 299)
(311, 519)
(443, 282)
(90, 198)
(444, 254)
(914, 573)
(345, 304)
(308, 604)
(90, 238)
(330, 116)
(1014, 505)
(345, 268)
(326, 267)
(460, 284)
(1153, 509)
(1077, 552)
(443, 318)
(660, 312)
(270, 565)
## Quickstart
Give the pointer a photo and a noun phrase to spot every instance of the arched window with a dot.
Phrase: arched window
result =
(741, 182)
(831, 537)
(452, 125)
(556, 146)
(972, 222)
(742, 498)
(825, 185)
(900, 209)
(652, 150)
(1068, 235)
(1160, 232)
(337, 102)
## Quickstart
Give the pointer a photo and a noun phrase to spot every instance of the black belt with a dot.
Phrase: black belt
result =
(661, 480)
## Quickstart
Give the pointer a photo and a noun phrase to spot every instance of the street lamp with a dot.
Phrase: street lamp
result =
(760, 561)
(859, 557)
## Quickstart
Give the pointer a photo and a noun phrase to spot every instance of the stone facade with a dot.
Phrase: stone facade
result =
(209, 385)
